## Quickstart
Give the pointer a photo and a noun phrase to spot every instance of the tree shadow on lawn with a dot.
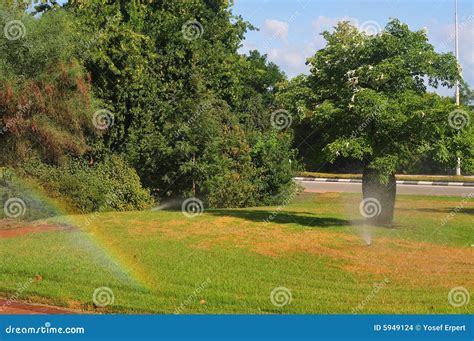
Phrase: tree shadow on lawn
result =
(281, 217)
(460, 210)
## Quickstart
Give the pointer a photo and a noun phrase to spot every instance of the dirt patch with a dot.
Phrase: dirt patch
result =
(19, 308)
(18, 230)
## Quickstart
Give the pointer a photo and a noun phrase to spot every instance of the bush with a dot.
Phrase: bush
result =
(25, 200)
(105, 186)
(251, 170)
(276, 165)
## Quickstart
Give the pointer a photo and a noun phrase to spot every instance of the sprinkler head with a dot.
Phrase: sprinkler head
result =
(369, 243)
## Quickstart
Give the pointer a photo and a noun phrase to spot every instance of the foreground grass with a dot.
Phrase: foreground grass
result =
(229, 261)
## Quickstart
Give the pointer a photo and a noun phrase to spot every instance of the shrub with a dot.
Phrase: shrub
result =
(276, 165)
(25, 200)
(107, 185)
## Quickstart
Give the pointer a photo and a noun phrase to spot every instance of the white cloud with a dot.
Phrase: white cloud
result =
(289, 57)
(247, 46)
(276, 28)
(293, 58)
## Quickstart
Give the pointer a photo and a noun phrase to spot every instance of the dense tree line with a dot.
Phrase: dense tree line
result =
(158, 84)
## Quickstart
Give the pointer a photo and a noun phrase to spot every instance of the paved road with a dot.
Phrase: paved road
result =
(321, 187)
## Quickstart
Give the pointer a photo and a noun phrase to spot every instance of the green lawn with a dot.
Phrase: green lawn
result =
(229, 261)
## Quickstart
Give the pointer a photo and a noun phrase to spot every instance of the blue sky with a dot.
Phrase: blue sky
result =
(290, 29)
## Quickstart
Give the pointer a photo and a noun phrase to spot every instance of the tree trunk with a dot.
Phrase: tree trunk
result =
(378, 205)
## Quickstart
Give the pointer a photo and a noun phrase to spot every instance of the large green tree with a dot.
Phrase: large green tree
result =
(191, 114)
(371, 102)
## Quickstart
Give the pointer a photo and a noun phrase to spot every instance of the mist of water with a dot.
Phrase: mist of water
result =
(168, 204)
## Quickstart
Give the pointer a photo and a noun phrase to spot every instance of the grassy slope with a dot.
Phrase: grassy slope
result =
(155, 261)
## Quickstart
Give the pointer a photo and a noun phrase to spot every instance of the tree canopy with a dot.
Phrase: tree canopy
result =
(371, 97)
(166, 90)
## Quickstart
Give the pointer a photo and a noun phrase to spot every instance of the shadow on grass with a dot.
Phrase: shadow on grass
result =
(282, 217)
(463, 210)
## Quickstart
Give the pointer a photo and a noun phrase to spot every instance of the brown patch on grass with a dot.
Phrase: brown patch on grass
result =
(41, 228)
(142, 230)
(400, 260)
(403, 261)
(20, 308)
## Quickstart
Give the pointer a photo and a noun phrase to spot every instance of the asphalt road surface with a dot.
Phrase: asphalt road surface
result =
(322, 187)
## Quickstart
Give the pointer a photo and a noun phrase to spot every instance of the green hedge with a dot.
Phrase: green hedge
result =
(104, 186)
